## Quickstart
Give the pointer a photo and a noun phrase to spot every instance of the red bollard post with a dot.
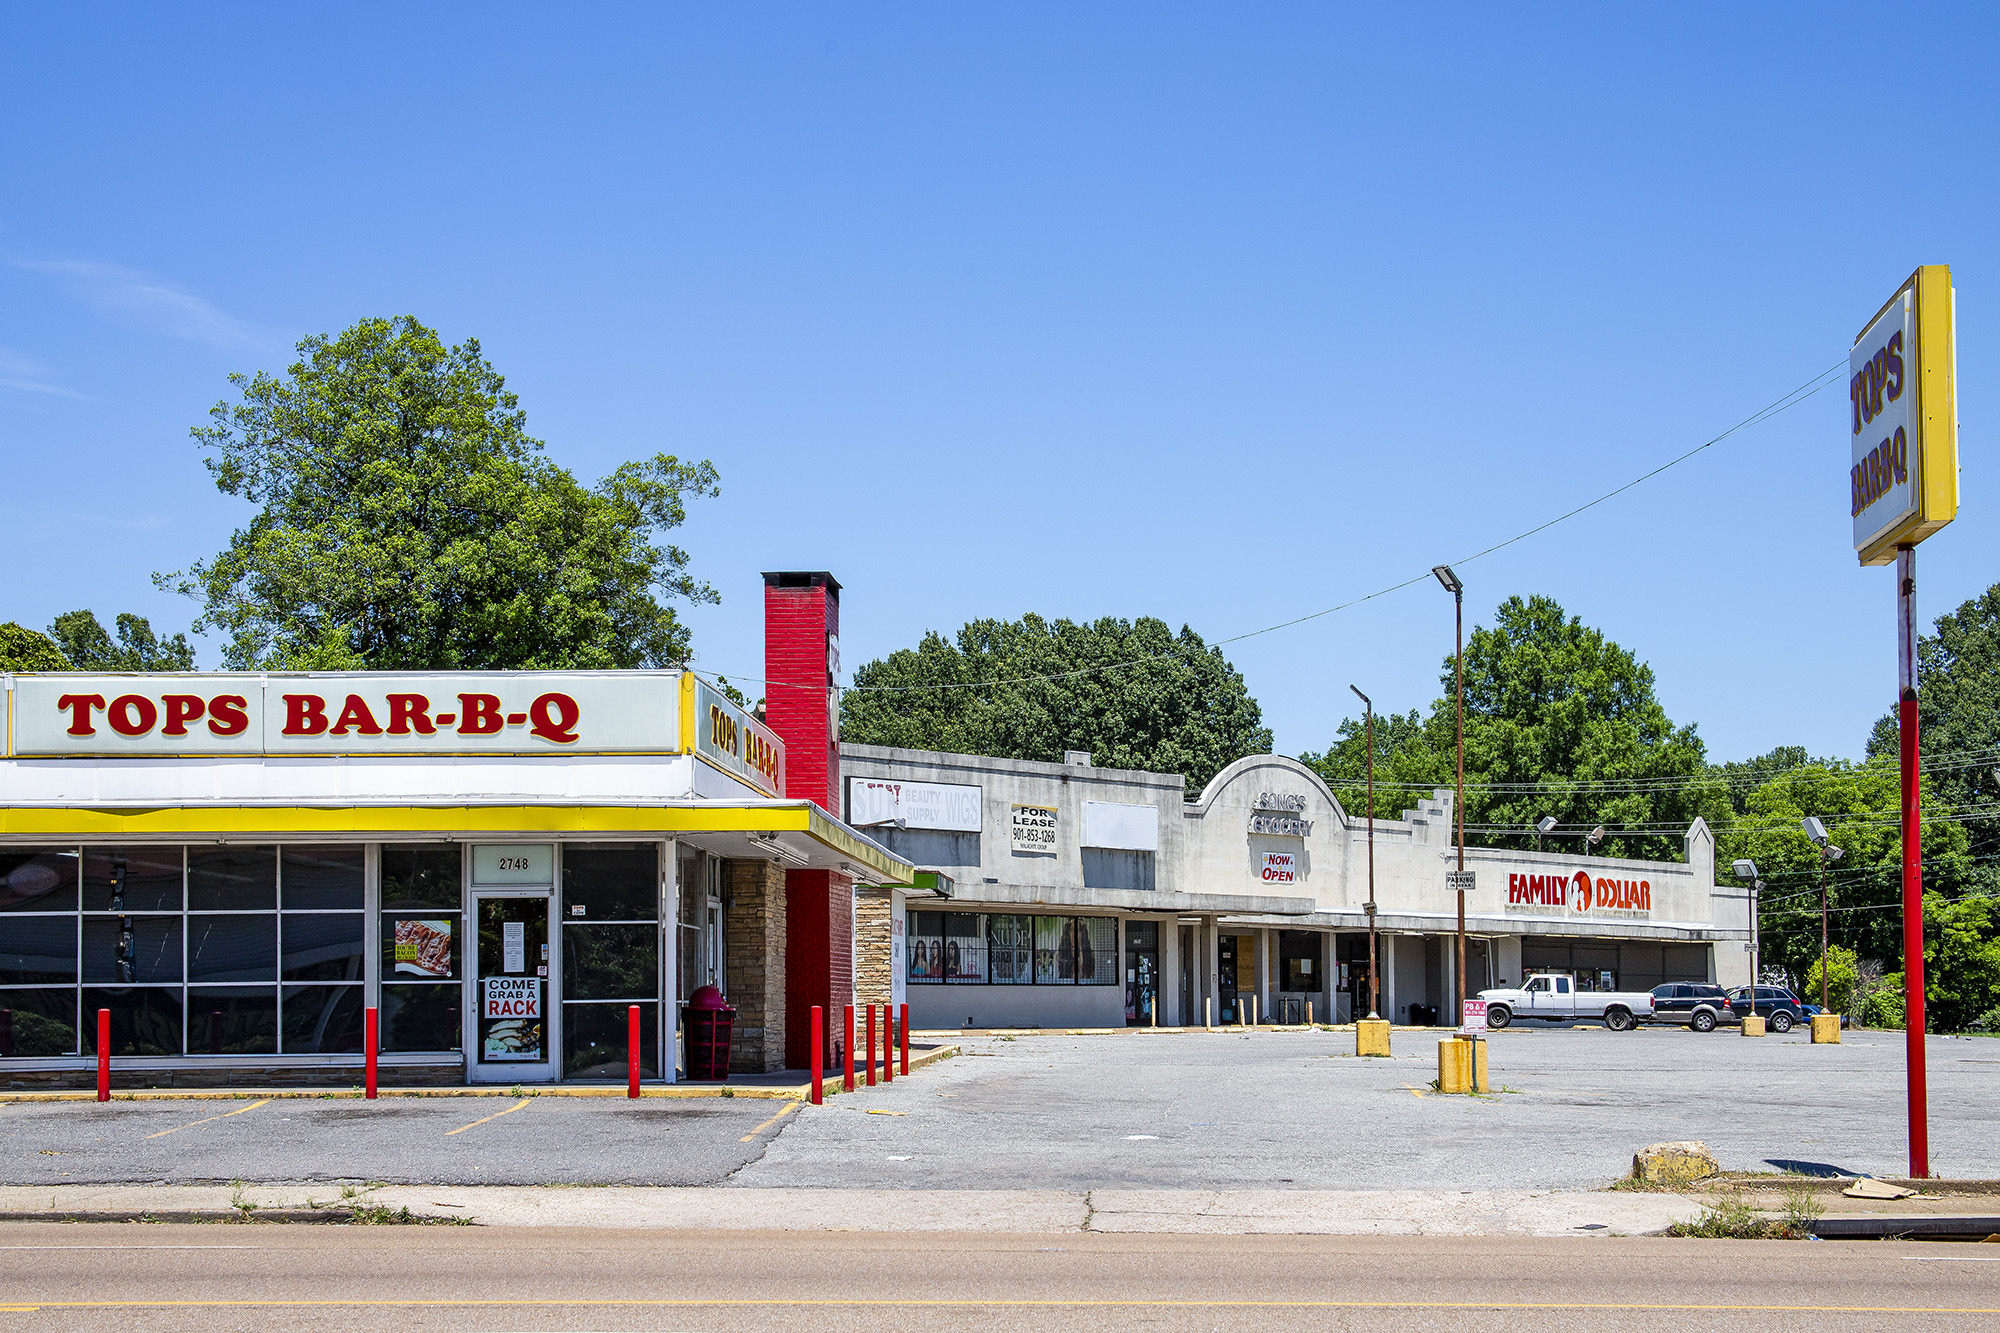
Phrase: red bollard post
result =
(818, 1053)
(906, 1038)
(888, 1044)
(871, 1045)
(631, 1050)
(847, 1054)
(372, 1047)
(103, 1055)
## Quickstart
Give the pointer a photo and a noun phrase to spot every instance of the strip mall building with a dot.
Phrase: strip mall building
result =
(236, 866)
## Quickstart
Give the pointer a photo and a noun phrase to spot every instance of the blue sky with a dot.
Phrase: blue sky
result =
(1223, 314)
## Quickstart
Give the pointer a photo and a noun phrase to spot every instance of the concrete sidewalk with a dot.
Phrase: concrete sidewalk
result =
(1207, 1212)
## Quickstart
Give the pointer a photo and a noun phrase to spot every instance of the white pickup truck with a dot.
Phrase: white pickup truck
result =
(1553, 996)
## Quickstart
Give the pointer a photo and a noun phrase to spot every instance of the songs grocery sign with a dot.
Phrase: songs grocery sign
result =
(357, 713)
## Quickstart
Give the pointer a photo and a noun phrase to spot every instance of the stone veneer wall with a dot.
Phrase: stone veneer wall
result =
(871, 947)
(753, 933)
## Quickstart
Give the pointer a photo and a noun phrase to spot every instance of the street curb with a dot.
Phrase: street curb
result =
(788, 1092)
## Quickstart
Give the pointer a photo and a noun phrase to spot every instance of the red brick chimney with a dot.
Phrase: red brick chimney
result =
(801, 659)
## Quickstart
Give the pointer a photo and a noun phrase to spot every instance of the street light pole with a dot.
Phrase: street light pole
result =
(1456, 588)
(1374, 981)
(1816, 831)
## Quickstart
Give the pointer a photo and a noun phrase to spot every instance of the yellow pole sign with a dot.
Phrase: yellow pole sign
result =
(1903, 414)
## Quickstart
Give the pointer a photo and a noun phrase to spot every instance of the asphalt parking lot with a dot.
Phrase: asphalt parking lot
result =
(397, 1140)
(1219, 1110)
(1188, 1110)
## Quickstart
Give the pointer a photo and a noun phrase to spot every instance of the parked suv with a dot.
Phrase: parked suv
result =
(1700, 1005)
(1780, 1008)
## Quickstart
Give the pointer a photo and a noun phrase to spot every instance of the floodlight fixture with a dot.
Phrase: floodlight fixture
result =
(1745, 869)
(1597, 834)
(1448, 579)
(1833, 853)
(1814, 830)
(1545, 823)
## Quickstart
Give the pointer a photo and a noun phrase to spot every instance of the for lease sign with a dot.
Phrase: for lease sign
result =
(353, 713)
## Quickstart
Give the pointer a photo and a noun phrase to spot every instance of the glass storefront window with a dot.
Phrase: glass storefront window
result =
(38, 881)
(38, 1022)
(610, 914)
(1005, 949)
(232, 879)
(132, 879)
(323, 1020)
(232, 1020)
(424, 1017)
(1010, 949)
(232, 947)
(322, 878)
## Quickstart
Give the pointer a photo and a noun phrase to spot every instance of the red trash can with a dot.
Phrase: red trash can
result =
(710, 1023)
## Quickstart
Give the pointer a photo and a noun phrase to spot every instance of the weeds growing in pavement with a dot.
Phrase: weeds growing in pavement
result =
(240, 1200)
(1803, 1208)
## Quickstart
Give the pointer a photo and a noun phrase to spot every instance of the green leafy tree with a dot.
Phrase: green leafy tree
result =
(1961, 960)
(1842, 974)
(1858, 803)
(1958, 715)
(21, 649)
(1559, 721)
(407, 520)
(90, 648)
(1132, 692)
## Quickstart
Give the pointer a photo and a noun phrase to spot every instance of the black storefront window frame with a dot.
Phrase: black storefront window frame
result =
(236, 996)
(929, 961)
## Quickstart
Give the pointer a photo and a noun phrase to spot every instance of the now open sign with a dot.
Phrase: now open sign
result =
(513, 997)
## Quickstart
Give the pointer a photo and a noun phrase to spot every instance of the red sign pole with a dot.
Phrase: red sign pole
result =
(871, 1045)
(1913, 877)
(103, 1055)
(847, 1054)
(371, 1047)
(818, 1044)
(631, 1050)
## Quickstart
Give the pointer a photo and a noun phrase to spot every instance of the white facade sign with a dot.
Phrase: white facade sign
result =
(872, 802)
(514, 863)
(1884, 477)
(1131, 828)
(1279, 868)
(735, 742)
(1034, 828)
(526, 712)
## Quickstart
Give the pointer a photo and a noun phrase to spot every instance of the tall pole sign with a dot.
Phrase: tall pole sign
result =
(1903, 423)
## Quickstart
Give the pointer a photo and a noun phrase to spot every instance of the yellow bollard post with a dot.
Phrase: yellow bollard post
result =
(1207, 1012)
(1371, 1037)
(1156, 1011)
(1753, 1025)
(1826, 1028)
(1309, 1013)
(1454, 1067)
(1253, 1011)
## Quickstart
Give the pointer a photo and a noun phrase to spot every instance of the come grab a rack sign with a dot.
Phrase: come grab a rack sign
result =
(355, 713)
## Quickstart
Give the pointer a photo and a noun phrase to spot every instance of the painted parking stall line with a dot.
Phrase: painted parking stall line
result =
(208, 1119)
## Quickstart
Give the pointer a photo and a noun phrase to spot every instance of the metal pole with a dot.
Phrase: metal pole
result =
(1374, 978)
(1458, 978)
(1913, 878)
(1824, 1004)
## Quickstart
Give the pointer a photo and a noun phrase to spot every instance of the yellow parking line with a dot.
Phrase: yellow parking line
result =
(224, 1116)
(789, 1108)
(495, 1116)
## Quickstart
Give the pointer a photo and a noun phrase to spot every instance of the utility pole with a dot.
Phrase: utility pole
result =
(1456, 588)
(1374, 981)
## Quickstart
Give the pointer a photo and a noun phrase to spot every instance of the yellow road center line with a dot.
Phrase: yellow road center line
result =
(789, 1108)
(483, 1119)
(999, 1303)
(224, 1116)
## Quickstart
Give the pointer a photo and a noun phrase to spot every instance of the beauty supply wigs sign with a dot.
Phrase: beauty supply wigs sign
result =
(352, 714)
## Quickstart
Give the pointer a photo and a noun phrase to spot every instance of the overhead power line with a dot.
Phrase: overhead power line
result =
(1832, 375)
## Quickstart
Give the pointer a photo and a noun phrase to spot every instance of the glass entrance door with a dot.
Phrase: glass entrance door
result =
(512, 1040)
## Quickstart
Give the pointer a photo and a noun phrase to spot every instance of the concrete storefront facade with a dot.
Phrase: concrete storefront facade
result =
(238, 866)
(1086, 896)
